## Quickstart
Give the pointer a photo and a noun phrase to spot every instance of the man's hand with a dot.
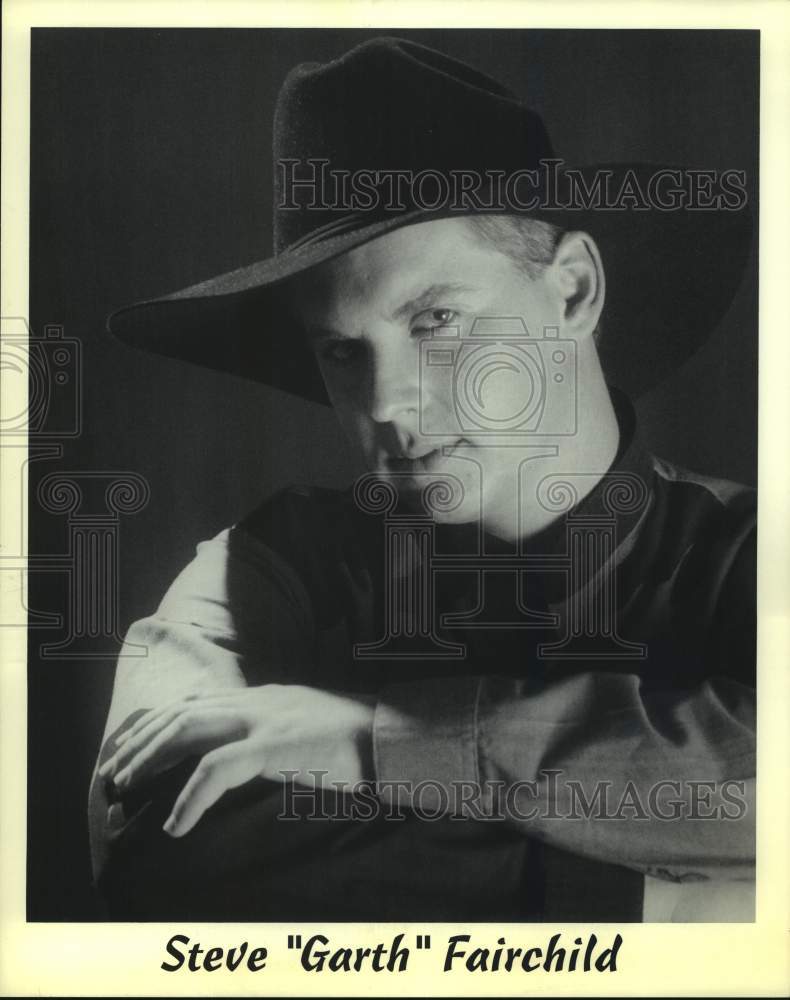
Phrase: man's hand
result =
(246, 733)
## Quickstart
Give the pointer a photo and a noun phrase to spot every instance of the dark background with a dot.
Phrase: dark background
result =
(150, 170)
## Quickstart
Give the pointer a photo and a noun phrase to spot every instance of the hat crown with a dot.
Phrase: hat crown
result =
(391, 105)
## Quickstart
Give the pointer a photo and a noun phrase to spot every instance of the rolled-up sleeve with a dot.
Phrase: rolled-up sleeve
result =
(659, 781)
(638, 750)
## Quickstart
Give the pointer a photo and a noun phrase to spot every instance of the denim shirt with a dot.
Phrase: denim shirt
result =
(576, 713)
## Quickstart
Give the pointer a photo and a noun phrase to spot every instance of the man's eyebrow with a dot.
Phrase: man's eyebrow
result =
(430, 296)
(317, 332)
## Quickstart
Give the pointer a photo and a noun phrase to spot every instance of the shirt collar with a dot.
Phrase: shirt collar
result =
(621, 496)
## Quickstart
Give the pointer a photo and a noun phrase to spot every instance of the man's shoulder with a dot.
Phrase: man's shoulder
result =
(297, 512)
(725, 492)
(694, 503)
(320, 536)
(704, 539)
(314, 530)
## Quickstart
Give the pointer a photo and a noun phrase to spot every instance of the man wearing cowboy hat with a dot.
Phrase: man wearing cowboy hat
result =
(510, 674)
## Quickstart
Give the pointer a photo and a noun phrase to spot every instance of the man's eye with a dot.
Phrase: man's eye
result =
(432, 319)
(340, 351)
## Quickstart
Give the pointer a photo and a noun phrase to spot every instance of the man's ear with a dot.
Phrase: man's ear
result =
(578, 275)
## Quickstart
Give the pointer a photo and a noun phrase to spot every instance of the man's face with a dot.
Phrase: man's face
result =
(414, 382)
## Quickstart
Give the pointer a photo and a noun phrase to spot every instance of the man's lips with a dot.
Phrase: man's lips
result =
(427, 461)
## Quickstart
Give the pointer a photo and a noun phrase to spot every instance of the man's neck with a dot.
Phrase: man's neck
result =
(581, 459)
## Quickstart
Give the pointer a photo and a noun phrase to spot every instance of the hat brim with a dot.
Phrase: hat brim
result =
(671, 276)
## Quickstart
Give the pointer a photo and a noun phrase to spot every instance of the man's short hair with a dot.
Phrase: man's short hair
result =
(529, 243)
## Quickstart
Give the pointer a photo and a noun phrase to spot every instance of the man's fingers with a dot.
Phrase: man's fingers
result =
(129, 741)
(224, 768)
(185, 735)
(181, 703)
(156, 722)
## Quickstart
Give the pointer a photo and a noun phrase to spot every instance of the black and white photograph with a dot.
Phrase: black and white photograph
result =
(391, 478)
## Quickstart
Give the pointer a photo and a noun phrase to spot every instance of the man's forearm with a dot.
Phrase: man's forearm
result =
(590, 763)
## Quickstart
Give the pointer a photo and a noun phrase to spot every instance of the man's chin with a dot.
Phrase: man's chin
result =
(446, 499)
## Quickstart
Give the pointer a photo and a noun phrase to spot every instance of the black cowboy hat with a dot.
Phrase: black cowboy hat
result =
(391, 105)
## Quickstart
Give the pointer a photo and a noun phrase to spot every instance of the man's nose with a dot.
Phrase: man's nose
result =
(394, 384)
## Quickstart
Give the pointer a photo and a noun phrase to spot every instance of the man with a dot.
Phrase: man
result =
(510, 675)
